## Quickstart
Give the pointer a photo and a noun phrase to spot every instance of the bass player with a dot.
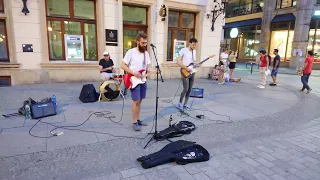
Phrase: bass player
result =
(135, 60)
(186, 56)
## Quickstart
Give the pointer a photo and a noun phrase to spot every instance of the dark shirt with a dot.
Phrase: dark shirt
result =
(106, 64)
(277, 58)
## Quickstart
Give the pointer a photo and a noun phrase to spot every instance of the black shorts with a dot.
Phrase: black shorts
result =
(232, 65)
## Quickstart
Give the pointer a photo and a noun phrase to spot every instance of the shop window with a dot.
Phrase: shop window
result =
(4, 55)
(246, 41)
(1, 6)
(281, 39)
(244, 7)
(286, 3)
(72, 17)
(134, 21)
(314, 38)
(181, 26)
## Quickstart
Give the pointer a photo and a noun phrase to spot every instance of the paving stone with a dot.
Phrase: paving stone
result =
(139, 177)
(277, 177)
(297, 165)
(246, 176)
(250, 161)
(210, 172)
(192, 169)
(130, 173)
(261, 176)
(265, 149)
(267, 156)
(178, 169)
(201, 176)
(112, 176)
(265, 170)
(310, 159)
(312, 173)
(168, 174)
(301, 174)
(214, 163)
(247, 167)
(185, 176)
(226, 173)
(264, 162)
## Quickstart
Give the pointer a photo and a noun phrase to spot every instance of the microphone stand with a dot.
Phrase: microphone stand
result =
(155, 134)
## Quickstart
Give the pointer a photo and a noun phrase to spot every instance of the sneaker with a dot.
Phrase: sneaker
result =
(272, 84)
(180, 106)
(309, 91)
(140, 123)
(302, 90)
(187, 107)
(136, 127)
(261, 87)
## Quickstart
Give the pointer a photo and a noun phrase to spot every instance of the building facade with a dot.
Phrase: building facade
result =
(288, 25)
(63, 40)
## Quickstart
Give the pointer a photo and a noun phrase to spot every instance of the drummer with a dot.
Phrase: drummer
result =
(106, 67)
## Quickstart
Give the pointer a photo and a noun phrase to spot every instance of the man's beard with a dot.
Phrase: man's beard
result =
(142, 49)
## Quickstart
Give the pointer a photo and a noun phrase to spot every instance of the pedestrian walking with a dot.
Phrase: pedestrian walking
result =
(307, 69)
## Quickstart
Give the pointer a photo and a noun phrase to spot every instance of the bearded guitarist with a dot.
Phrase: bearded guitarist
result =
(187, 56)
(136, 60)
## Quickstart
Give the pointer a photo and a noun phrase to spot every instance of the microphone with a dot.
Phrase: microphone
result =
(153, 45)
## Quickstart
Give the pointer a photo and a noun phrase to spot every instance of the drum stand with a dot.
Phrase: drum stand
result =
(155, 135)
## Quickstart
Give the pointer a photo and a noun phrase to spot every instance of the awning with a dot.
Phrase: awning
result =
(284, 17)
(243, 23)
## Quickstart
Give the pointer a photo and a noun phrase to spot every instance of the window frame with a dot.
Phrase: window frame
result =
(6, 34)
(187, 30)
(132, 26)
(73, 19)
(2, 5)
(284, 7)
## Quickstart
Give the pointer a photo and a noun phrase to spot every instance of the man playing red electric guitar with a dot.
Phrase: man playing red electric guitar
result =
(135, 61)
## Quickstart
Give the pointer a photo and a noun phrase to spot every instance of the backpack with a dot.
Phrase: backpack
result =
(88, 94)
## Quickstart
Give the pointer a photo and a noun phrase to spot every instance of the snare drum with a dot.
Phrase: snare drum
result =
(109, 90)
(118, 78)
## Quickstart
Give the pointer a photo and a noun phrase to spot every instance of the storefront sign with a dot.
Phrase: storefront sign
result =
(234, 32)
(317, 12)
(111, 37)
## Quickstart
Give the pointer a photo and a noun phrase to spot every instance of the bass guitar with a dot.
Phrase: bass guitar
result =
(193, 68)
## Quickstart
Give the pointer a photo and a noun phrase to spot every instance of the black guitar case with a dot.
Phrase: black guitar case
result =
(182, 152)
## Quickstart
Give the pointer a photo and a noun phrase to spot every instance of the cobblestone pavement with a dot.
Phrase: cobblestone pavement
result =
(278, 144)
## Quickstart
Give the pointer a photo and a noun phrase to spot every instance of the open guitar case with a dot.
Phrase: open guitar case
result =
(182, 152)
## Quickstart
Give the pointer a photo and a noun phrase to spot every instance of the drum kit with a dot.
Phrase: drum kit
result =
(111, 89)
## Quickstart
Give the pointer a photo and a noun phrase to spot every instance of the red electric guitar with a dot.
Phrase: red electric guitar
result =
(130, 81)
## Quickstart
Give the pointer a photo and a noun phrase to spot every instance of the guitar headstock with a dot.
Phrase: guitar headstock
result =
(212, 56)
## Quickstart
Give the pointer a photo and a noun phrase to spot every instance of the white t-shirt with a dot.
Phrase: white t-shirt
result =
(224, 56)
(187, 56)
(134, 59)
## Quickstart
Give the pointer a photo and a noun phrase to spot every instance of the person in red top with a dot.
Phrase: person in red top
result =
(307, 69)
(264, 64)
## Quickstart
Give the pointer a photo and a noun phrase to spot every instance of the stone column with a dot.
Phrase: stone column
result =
(302, 26)
(266, 23)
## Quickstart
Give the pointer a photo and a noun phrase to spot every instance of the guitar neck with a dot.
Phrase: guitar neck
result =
(204, 60)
